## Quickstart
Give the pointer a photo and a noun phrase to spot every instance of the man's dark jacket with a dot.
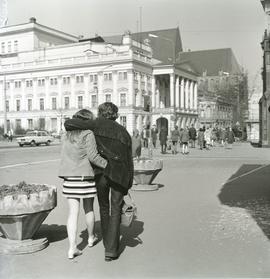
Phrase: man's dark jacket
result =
(114, 144)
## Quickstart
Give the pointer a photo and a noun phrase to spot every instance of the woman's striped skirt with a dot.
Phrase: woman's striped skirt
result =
(79, 187)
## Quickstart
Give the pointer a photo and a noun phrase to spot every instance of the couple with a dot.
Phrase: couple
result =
(96, 158)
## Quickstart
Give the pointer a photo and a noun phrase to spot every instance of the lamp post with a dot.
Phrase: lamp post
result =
(4, 99)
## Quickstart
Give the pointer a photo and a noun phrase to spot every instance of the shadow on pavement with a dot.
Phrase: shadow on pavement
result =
(52, 232)
(249, 188)
(130, 236)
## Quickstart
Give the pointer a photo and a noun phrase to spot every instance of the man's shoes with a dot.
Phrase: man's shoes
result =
(72, 254)
(109, 258)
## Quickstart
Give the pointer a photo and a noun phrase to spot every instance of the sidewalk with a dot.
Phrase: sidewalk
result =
(209, 218)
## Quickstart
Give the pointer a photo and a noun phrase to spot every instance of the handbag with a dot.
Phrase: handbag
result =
(129, 212)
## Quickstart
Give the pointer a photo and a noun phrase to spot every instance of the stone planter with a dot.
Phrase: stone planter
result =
(21, 215)
(145, 171)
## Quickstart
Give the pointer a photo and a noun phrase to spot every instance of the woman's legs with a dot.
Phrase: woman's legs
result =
(89, 216)
(72, 223)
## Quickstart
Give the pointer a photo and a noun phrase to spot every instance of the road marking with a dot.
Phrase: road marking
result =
(28, 163)
(245, 174)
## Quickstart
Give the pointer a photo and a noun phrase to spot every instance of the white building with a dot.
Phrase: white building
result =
(47, 75)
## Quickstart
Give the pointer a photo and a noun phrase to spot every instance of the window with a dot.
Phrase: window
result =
(3, 47)
(80, 102)
(41, 103)
(18, 123)
(29, 83)
(93, 78)
(7, 106)
(79, 79)
(15, 46)
(29, 104)
(136, 76)
(123, 121)
(54, 124)
(66, 80)
(94, 101)
(107, 77)
(7, 85)
(41, 123)
(53, 81)
(66, 102)
(54, 103)
(9, 46)
(108, 97)
(122, 76)
(30, 124)
(41, 82)
(18, 105)
(18, 84)
(123, 101)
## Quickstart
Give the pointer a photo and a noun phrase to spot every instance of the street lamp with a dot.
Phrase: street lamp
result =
(166, 39)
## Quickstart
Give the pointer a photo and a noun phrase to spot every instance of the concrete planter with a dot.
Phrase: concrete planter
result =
(145, 171)
(21, 215)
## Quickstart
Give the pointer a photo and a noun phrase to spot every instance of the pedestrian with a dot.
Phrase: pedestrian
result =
(184, 139)
(192, 135)
(213, 137)
(79, 151)
(207, 137)
(230, 138)
(114, 144)
(136, 144)
(10, 135)
(154, 132)
(163, 134)
(145, 136)
(175, 138)
(223, 136)
(201, 138)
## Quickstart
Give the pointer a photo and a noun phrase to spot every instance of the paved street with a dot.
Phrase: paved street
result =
(195, 225)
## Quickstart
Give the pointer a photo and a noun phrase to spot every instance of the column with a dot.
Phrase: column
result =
(72, 92)
(177, 99)
(115, 92)
(182, 90)
(158, 93)
(195, 96)
(47, 93)
(153, 89)
(59, 104)
(140, 90)
(191, 105)
(35, 92)
(172, 101)
(186, 94)
(131, 95)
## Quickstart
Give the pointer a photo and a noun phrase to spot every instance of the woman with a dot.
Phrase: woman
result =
(136, 141)
(201, 138)
(163, 139)
(184, 139)
(79, 151)
(175, 138)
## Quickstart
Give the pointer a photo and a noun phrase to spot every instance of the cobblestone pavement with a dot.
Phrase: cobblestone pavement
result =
(209, 218)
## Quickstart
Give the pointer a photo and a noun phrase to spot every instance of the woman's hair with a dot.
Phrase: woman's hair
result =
(84, 114)
(108, 110)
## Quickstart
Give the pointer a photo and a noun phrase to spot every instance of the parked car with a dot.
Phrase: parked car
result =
(34, 138)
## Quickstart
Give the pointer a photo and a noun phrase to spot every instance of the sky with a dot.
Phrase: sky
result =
(203, 24)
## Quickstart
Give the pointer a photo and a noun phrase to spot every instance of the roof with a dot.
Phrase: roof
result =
(212, 61)
(162, 45)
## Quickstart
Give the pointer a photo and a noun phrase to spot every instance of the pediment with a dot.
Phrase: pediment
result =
(122, 89)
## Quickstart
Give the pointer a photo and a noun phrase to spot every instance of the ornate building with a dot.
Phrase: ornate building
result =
(264, 103)
(222, 87)
(47, 75)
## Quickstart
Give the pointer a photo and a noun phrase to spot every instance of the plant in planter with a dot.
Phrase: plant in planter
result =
(23, 208)
(145, 171)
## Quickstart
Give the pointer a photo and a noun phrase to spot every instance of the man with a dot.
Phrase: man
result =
(114, 144)
(192, 135)
(154, 132)
(145, 136)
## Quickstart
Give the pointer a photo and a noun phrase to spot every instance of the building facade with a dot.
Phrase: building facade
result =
(222, 87)
(264, 103)
(47, 75)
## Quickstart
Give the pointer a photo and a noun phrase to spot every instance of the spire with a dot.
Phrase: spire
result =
(3, 13)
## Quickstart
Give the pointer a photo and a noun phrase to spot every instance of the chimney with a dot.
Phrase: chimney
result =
(32, 20)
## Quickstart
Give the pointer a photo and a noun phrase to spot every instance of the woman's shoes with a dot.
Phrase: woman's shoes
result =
(109, 258)
(92, 241)
(72, 254)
